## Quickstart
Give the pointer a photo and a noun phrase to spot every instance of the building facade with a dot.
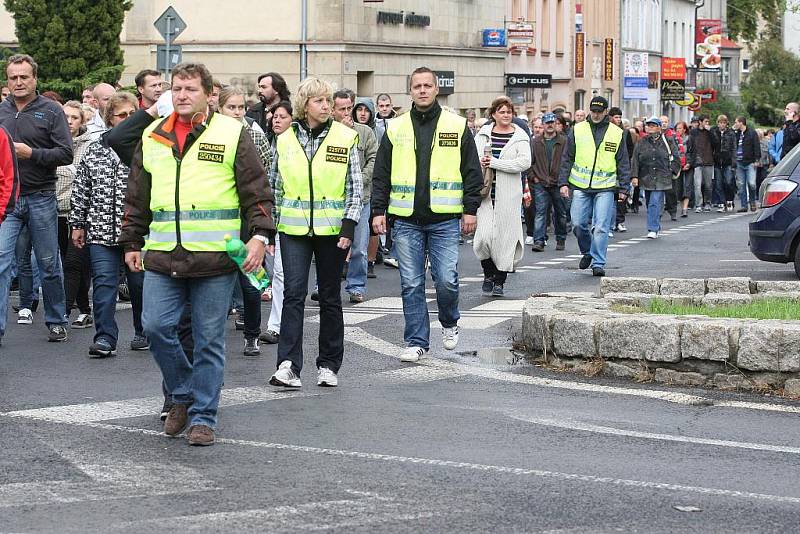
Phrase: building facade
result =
(596, 46)
(641, 57)
(677, 41)
(369, 47)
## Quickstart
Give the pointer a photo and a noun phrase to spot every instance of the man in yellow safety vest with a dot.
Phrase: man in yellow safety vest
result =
(594, 166)
(427, 177)
(193, 176)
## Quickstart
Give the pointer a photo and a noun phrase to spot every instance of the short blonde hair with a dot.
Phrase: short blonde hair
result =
(309, 88)
(118, 98)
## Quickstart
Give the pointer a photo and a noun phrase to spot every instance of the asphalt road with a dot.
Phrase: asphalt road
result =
(448, 445)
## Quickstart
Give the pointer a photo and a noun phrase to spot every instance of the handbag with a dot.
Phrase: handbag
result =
(671, 158)
(488, 180)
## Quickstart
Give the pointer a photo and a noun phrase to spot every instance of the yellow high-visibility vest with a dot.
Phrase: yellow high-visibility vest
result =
(446, 188)
(314, 191)
(193, 200)
(595, 166)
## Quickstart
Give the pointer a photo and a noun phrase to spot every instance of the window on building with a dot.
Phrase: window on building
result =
(364, 83)
(725, 73)
(745, 65)
(545, 26)
(560, 15)
(682, 50)
(580, 96)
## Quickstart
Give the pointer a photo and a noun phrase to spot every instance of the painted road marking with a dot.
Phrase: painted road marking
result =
(548, 263)
(596, 429)
(470, 466)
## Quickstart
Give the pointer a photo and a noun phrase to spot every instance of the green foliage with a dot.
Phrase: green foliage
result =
(767, 308)
(753, 20)
(75, 42)
(723, 106)
(773, 82)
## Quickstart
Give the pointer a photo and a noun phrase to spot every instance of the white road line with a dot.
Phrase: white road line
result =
(638, 239)
(575, 256)
(471, 279)
(470, 466)
(596, 429)
(737, 261)
(548, 263)
(537, 267)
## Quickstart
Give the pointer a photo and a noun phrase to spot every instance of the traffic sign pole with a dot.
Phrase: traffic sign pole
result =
(168, 65)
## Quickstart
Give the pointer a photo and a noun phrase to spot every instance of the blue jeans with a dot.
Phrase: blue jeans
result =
(746, 176)
(105, 283)
(592, 217)
(544, 197)
(357, 269)
(440, 242)
(27, 271)
(655, 205)
(198, 382)
(37, 211)
(296, 252)
(726, 181)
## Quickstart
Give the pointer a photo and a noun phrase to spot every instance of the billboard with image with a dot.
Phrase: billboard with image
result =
(708, 45)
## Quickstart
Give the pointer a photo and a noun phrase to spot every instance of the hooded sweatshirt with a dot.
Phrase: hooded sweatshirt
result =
(363, 101)
(381, 123)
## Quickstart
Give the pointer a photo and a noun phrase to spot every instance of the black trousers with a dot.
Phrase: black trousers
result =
(296, 253)
(491, 272)
(77, 270)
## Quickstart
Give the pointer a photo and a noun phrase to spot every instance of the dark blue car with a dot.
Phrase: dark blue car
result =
(775, 229)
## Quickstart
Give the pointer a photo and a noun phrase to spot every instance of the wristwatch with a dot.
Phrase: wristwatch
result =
(262, 238)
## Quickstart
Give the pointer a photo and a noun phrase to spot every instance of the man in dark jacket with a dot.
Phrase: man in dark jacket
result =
(546, 152)
(724, 185)
(42, 143)
(425, 210)
(791, 134)
(748, 151)
(705, 146)
(271, 90)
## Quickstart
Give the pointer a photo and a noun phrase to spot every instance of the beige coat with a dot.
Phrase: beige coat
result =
(499, 233)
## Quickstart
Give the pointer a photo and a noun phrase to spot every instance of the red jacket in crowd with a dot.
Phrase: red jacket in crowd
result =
(9, 175)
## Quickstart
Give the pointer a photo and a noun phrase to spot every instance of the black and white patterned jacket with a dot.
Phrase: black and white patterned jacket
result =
(98, 195)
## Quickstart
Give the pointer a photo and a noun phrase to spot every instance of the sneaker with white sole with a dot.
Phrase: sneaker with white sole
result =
(285, 376)
(652, 235)
(25, 316)
(411, 354)
(84, 320)
(621, 228)
(450, 337)
(327, 378)
(391, 262)
(529, 240)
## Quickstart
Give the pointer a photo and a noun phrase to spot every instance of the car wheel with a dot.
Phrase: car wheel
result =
(797, 261)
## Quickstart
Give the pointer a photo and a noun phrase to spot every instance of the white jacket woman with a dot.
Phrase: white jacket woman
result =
(499, 241)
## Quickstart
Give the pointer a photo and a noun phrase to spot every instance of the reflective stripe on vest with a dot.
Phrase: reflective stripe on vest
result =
(446, 188)
(314, 204)
(595, 166)
(205, 187)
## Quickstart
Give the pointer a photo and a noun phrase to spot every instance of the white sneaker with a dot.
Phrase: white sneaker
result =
(327, 378)
(698, 210)
(450, 337)
(285, 377)
(25, 316)
(411, 354)
(610, 234)
(391, 262)
(528, 240)
(621, 228)
(652, 235)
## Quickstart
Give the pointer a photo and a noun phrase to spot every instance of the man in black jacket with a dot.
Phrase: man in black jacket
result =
(271, 90)
(724, 188)
(424, 210)
(748, 151)
(42, 143)
(791, 134)
(704, 147)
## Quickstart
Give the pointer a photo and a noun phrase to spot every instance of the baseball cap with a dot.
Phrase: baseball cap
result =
(549, 117)
(654, 120)
(598, 103)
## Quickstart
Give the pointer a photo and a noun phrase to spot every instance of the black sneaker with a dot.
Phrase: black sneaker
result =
(488, 285)
(140, 342)
(371, 269)
(598, 271)
(239, 322)
(57, 333)
(270, 336)
(586, 261)
(101, 349)
(560, 245)
(251, 347)
(497, 290)
(315, 295)
(538, 247)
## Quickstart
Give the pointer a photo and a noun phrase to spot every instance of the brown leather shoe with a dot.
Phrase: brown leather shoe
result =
(176, 419)
(201, 436)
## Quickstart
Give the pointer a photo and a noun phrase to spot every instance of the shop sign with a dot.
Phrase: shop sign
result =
(494, 38)
(537, 81)
(409, 19)
(707, 45)
(635, 76)
(608, 60)
(580, 59)
(447, 82)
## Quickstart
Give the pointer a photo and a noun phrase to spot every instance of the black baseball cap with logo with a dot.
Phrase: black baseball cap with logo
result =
(598, 103)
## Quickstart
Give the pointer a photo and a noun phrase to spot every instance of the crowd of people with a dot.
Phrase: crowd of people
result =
(146, 190)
